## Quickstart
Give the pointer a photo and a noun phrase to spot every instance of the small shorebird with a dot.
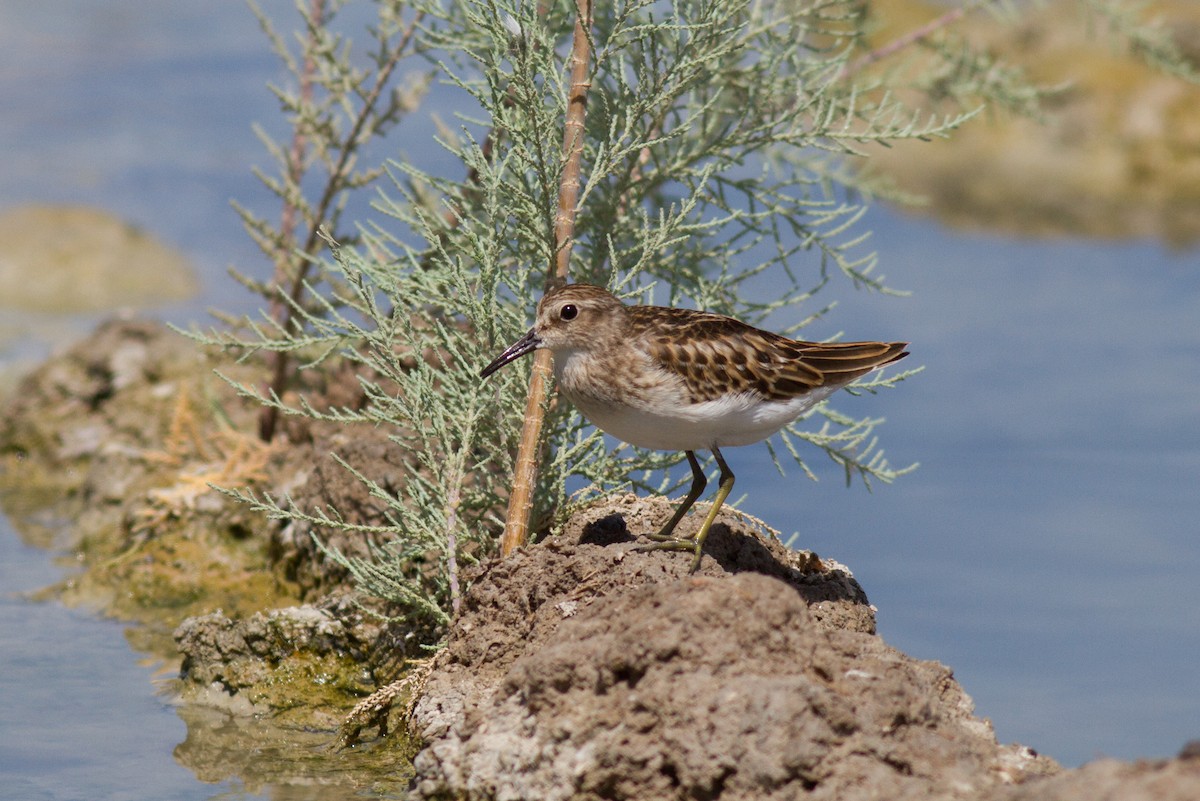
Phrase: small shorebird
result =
(685, 380)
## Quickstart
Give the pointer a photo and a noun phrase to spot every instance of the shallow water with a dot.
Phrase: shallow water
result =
(80, 715)
(1046, 549)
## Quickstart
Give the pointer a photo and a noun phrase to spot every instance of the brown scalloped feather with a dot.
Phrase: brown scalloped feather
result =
(715, 355)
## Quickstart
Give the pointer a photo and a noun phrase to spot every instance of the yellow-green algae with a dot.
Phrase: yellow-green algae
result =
(115, 480)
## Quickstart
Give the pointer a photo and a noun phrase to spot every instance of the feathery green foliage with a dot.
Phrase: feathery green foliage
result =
(718, 139)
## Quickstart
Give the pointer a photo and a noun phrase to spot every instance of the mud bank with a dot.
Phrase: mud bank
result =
(580, 668)
(1114, 152)
(583, 669)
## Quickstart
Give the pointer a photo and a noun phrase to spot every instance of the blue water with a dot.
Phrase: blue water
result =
(79, 717)
(1047, 548)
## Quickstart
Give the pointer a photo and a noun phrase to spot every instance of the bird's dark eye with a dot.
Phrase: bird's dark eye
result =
(569, 312)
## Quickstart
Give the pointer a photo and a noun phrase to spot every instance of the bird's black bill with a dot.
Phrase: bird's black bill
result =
(516, 350)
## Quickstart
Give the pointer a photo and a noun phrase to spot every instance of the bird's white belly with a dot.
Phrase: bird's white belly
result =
(733, 420)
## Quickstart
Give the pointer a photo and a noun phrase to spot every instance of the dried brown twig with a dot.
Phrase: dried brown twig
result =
(516, 524)
(292, 268)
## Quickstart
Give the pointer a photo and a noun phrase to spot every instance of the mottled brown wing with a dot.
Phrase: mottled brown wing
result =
(715, 355)
(842, 362)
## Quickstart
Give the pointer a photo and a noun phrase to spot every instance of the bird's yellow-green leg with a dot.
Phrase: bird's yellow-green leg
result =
(696, 543)
(699, 482)
(723, 491)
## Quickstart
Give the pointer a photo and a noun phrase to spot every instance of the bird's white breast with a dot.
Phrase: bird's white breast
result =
(659, 415)
(731, 420)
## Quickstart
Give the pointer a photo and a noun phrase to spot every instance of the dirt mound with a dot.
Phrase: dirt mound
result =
(583, 671)
(1144, 780)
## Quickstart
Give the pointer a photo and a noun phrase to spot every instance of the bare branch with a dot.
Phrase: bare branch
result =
(516, 525)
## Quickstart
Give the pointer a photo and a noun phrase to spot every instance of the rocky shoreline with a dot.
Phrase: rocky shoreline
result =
(580, 668)
(577, 669)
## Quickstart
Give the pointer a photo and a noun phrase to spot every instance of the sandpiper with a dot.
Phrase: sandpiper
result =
(685, 380)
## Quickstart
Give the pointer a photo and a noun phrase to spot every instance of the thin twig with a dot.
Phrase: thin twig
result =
(278, 309)
(452, 502)
(915, 35)
(279, 362)
(516, 524)
(452, 217)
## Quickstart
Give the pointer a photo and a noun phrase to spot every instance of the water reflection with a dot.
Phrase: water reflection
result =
(80, 715)
(285, 763)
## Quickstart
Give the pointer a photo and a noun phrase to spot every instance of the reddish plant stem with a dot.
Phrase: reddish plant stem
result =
(520, 502)
(278, 309)
(915, 35)
(452, 548)
(279, 362)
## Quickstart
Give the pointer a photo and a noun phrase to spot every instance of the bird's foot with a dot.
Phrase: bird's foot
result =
(666, 536)
(665, 542)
